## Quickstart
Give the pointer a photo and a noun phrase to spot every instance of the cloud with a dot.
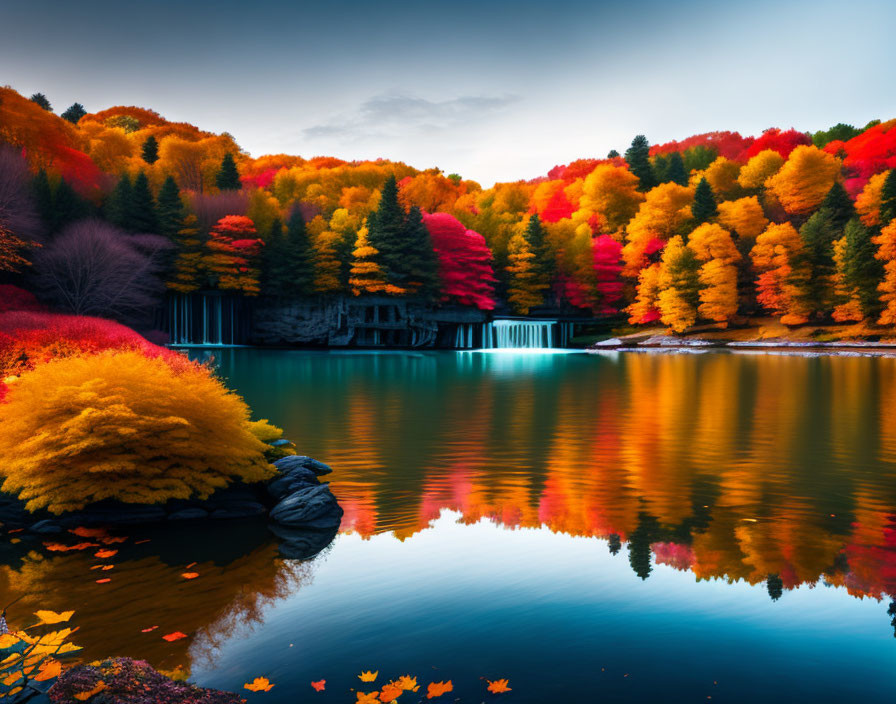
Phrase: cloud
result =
(391, 115)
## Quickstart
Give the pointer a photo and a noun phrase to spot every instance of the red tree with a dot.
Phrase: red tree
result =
(464, 261)
(778, 140)
(607, 268)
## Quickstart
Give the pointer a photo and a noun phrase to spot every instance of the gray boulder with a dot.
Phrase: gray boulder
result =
(313, 507)
(287, 465)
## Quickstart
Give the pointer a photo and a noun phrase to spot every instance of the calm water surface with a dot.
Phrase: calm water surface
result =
(625, 527)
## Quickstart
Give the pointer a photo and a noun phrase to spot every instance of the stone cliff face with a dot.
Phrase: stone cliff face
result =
(368, 321)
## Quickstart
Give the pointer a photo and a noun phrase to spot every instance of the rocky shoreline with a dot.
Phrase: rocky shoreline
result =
(301, 510)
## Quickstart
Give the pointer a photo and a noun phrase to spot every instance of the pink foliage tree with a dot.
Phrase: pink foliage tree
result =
(607, 273)
(465, 266)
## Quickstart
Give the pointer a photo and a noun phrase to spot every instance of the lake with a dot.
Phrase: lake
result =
(619, 527)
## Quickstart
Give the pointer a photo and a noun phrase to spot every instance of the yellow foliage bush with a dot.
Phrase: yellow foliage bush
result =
(121, 426)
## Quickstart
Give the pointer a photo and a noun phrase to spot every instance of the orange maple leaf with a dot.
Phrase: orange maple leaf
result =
(103, 581)
(368, 676)
(103, 554)
(177, 635)
(319, 685)
(48, 670)
(259, 684)
(368, 698)
(84, 696)
(190, 575)
(82, 532)
(498, 686)
(150, 629)
(106, 568)
(437, 689)
(390, 693)
(407, 683)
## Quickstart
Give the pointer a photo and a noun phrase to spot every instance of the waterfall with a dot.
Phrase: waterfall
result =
(518, 334)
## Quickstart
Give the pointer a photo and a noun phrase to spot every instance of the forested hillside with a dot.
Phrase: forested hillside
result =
(102, 213)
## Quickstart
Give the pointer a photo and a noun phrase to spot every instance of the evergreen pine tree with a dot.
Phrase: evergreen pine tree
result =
(524, 291)
(118, 206)
(169, 209)
(543, 262)
(675, 171)
(838, 207)
(421, 264)
(862, 272)
(612, 154)
(818, 235)
(187, 270)
(704, 208)
(299, 256)
(68, 206)
(386, 227)
(150, 150)
(41, 100)
(43, 199)
(638, 158)
(74, 113)
(273, 266)
(888, 199)
(228, 178)
(142, 216)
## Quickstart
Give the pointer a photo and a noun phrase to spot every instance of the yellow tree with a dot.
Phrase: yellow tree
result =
(526, 285)
(779, 258)
(664, 213)
(759, 169)
(722, 175)
(886, 252)
(849, 309)
(744, 215)
(805, 179)
(365, 275)
(714, 248)
(644, 308)
(611, 192)
(679, 283)
(868, 201)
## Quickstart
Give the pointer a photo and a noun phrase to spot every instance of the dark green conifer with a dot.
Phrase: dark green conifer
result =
(68, 206)
(150, 150)
(118, 205)
(421, 263)
(818, 235)
(142, 216)
(862, 272)
(228, 178)
(43, 200)
(638, 158)
(612, 154)
(704, 208)
(386, 227)
(838, 207)
(41, 100)
(169, 209)
(74, 113)
(888, 199)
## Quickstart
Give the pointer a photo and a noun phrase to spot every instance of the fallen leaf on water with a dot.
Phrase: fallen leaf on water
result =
(437, 689)
(48, 670)
(82, 532)
(103, 554)
(319, 685)
(498, 686)
(259, 684)
(192, 564)
(390, 693)
(177, 635)
(407, 683)
(368, 676)
(51, 617)
(368, 698)
(59, 547)
(106, 568)
(84, 696)
(190, 575)
(103, 581)
(149, 630)
(112, 540)
(141, 542)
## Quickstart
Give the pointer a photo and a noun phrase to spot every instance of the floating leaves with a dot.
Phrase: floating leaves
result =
(190, 575)
(498, 686)
(103, 554)
(437, 689)
(390, 692)
(319, 685)
(103, 581)
(177, 635)
(368, 676)
(259, 684)
(51, 617)
(368, 698)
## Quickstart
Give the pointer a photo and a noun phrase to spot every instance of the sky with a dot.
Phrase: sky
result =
(495, 91)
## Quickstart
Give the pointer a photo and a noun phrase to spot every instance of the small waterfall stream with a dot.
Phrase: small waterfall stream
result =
(519, 334)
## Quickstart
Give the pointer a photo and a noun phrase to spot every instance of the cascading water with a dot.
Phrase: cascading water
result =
(518, 334)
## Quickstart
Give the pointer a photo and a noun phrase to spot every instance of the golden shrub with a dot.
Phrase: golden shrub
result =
(121, 426)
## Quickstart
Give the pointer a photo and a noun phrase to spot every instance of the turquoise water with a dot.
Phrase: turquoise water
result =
(625, 527)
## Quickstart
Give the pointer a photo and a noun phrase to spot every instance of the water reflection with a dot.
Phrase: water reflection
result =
(730, 466)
